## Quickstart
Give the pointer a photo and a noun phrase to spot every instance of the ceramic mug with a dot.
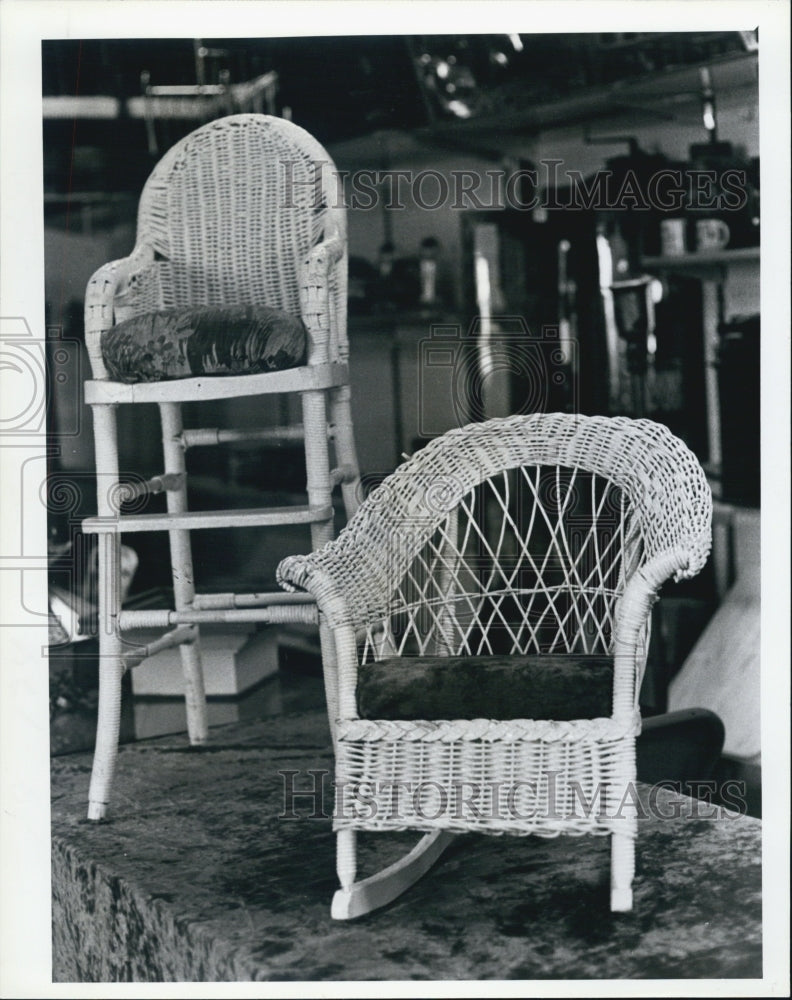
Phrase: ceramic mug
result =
(672, 237)
(711, 234)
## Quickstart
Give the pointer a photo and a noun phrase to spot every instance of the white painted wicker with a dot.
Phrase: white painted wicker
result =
(245, 210)
(540, 534)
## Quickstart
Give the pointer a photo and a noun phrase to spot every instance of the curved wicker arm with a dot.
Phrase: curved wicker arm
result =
(316, 284)
(631, 621)
(301, 573)
(100, 299)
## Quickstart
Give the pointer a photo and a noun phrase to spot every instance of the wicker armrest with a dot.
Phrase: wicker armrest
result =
(316, 279)
(100, 298)
(324, 255)
(631, 618)
(301, 573)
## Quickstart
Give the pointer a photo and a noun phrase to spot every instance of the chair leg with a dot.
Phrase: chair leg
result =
(317, 463)
(111, 667)
(346, 454)
(182, 571)
(622, 871)
(317, 468)
(354, 899)
(111, 671)
(330, 673)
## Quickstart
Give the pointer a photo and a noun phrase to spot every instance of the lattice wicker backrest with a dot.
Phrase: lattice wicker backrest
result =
(231, 210)
(516, 534)
(532, 560)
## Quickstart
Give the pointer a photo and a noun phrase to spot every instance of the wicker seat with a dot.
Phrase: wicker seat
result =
(514, 540)
(241, 219)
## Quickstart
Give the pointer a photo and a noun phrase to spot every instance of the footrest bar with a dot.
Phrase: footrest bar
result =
(203, 436)
(203, 519)
(278, 615)
(167, 482)
(178, 637)
(203, 602)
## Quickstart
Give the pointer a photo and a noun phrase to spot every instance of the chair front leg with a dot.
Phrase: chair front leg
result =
(622, 872)
(111, 667)
(623, 805)
(111, 672)
(346, 858)
(330, 674)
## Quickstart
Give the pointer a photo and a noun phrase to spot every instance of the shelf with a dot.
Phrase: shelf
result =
(730, 72)
(185, 103)
(704, 258)
(707, 264)
(69, 107)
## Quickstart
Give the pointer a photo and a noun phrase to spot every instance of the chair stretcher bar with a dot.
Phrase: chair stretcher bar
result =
(299, 614)
(206, 519)
(200, 436)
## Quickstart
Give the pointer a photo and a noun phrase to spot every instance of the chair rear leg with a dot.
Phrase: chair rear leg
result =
(317, 468)
(182, 572)
(346, 454)
(317, 463)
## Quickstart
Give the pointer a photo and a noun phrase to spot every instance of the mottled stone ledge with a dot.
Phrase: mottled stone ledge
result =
(198, 877)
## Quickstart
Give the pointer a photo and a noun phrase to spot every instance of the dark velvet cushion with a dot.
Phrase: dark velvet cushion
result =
(559, 687)
(181, 343)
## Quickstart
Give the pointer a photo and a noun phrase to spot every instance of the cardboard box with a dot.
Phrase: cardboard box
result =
(235, 658)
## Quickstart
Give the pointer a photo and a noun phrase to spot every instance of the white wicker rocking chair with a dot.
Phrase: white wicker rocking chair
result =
(532, 544)
(244, 211)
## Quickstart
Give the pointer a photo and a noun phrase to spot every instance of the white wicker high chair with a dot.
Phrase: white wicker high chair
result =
(490, 606)
(243, 217)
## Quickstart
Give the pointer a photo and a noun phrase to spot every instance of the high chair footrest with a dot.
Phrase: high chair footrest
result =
(194, 520)
(204, 387)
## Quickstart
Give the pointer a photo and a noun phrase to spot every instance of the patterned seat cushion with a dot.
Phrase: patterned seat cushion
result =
(182, 343)
(560, 687)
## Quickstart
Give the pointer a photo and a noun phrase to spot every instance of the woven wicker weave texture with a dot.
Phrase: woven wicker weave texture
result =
(528, 534)
(227, 217)
(244, 211)
(666, 500)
